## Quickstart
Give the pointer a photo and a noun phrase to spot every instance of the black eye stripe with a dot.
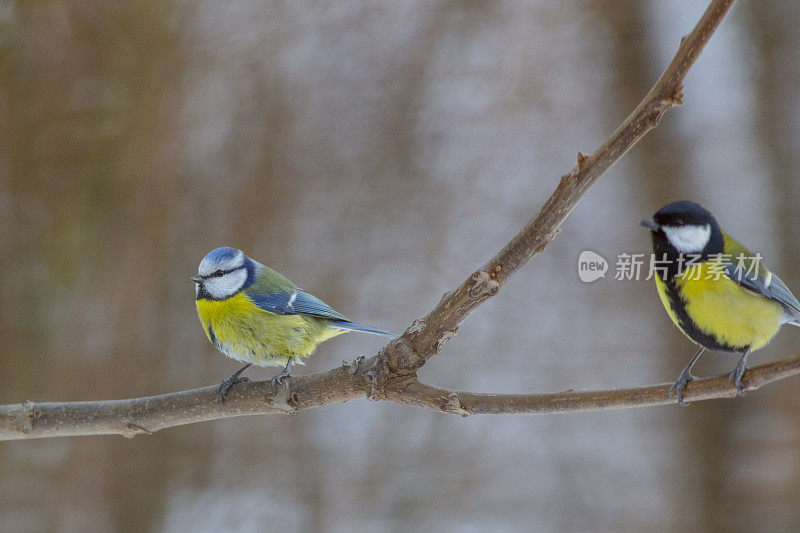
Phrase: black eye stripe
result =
(219, 273)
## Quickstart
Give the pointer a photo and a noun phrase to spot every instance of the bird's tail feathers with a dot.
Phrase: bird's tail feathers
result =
(352, 326)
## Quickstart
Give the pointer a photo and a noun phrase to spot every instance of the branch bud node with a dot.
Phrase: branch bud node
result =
(583, 159)
(452, 404)
(352, 365)
(483, 285)
(443, 338)
(134, 429)
(403, 356)
(418, 325)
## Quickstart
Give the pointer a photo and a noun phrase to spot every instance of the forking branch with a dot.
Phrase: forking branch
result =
(391, 374)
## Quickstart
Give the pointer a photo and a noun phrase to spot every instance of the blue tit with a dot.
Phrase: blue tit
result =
(714, 289)
(255, 315)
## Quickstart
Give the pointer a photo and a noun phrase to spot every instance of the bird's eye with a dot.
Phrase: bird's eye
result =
(217, 274)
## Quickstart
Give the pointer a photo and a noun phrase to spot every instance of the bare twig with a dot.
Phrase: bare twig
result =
(391, 374)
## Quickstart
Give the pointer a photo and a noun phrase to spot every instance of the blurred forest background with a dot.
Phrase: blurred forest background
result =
(376, 153)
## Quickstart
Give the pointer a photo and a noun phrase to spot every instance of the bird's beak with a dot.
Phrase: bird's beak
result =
(650, 224)
(197, 279)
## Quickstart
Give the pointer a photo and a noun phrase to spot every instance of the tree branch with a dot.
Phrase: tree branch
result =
(391, 374)
(149, 414)
(146, 415)
(472, 403)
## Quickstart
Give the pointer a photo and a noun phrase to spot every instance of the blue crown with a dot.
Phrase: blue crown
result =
(225, 253)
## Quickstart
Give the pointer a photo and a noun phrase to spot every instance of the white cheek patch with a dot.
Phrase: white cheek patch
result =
(227, 285)
(688, 239)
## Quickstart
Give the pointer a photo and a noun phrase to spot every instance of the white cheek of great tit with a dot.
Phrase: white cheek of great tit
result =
(688, 239)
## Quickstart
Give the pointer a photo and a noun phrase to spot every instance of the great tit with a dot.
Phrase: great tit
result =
(714, 289)
(255, 315)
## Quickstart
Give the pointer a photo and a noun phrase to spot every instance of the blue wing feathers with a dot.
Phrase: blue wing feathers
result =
(300, 302)
(277, 303)
(308, 304)
(352, 326)
(296, 302)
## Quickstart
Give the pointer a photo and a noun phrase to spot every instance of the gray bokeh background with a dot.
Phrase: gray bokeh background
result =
(376, 153)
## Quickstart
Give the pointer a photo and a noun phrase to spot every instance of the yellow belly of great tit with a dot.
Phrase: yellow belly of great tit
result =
(243, 331)
(718, 313)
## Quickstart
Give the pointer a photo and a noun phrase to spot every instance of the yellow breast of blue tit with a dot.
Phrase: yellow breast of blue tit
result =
(255, 315)
(242, 330)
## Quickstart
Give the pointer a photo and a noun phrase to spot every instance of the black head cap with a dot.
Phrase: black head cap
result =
(684, 213)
